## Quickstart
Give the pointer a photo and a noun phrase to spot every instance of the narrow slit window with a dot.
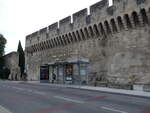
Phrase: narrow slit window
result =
(96, 30)
(144, 16)
(135, 19)
(107, 27)
(120, 23)
(114, 26)
(128, 22)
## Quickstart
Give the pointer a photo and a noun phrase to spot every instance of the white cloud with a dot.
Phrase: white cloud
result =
(19, 18)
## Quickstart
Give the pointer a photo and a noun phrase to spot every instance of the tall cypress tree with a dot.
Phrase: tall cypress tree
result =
(21, 58)
(3, 41)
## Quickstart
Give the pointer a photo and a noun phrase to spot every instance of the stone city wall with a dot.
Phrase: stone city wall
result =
(116, 40)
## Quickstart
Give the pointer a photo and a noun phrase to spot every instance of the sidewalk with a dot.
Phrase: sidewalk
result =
(102, 89)
(4, 110)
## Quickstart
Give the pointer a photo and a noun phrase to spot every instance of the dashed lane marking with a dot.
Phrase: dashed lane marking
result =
(71, 100)
(114, 110)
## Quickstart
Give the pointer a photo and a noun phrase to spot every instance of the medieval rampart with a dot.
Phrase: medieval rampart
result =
(115, 39)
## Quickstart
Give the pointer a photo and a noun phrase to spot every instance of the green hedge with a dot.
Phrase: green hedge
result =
(4, 73)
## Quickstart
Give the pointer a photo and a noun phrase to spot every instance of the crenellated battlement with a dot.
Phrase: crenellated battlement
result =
(53, 29)
(102, 21)
(99, 6)
(65, 25)
(79, 19)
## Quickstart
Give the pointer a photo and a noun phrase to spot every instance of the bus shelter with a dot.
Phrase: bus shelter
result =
(73, 71)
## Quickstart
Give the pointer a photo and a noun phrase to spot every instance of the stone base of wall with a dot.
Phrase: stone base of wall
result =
(111, 85)
(120, 86)
(101, 84)
(146, 87)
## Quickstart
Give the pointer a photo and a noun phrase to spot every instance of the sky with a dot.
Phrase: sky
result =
(19, 18)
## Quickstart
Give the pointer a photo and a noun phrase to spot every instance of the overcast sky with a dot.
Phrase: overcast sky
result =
(19, 18)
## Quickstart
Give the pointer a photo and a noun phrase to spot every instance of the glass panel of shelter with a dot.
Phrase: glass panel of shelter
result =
(70, 73)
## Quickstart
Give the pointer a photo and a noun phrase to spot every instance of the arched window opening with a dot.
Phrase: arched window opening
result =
(52, 42)
(91, 31)
(82, 34)
(54, 45)
(144, 16)
(74, 36)
(78, 35)
(128, 22)
(33, 47)
(86, 32)
(71, 38)
(135, 19)
(36, 47)
(49, 43)
(102, 29)
(67, 38)
(114, 26)
(96, 30)
(55, 42)
(61, 40)
(107, 27)
(40, 46)
(44, 46)
(58, 41)
(120, 23)
(64, 40)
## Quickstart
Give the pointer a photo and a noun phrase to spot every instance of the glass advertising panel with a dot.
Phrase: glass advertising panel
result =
(44, 75)
(69, 72)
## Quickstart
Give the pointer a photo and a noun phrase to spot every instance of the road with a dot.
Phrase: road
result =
(31, 98)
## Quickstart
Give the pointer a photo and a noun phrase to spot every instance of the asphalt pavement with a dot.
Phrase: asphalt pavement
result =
(33, 98)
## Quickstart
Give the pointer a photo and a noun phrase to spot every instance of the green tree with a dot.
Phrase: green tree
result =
(4, 72)
(21, 58)
(3, 41)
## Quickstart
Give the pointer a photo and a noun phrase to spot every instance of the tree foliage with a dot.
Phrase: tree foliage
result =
(2, 44)
(21, 58)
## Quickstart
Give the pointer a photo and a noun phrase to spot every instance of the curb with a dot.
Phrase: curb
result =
(100, 89)
(4, 110)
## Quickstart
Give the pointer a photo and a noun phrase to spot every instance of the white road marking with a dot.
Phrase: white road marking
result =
(39, 92)
(71, 100)
(25, 90)
(111, 109)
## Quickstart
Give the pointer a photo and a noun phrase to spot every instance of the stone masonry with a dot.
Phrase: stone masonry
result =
(116, 40)
(11, 62)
